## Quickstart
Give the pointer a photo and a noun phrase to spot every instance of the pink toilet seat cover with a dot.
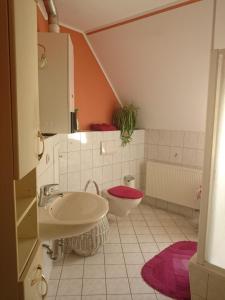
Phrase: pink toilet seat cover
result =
(125, 192)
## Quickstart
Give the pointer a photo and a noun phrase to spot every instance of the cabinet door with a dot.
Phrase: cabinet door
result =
(32, 285)
(24, 76)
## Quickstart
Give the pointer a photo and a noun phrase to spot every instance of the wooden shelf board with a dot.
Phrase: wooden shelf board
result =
(25, 248)
(23, 205)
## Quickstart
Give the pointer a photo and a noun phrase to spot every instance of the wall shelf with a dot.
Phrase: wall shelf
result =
(22, 207)
(25, 248)
(27, 232)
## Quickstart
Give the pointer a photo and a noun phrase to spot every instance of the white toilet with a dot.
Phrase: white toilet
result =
(122, 199)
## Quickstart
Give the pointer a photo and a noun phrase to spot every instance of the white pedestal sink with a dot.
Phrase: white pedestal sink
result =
(71, 215)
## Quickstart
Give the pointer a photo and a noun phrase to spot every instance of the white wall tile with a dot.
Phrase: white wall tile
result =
(117, 171)
(74, 161)
(117, 157)
(63, 162)
(153, 152)
(96, 140)
(74, 141)
(164, 137)
(106, 174)
(132, 152)
(176, 155)
(201, 140)
(146, 150)
(191, 139)
(86, 139)
(163, 153)
(63, 179)
(47, 158)
(140, 151)
(125, 151)
(46, 177)
(97, 175)
(63, 143)
(107, 159)
(86, 159)
(74, 181)
(189, 157)
(125, 169)
(85, 176)
(177, 138)
(116, 134)
(116, 182)
(97, 158)
(132, 167)
(199, 158)
(153, 137)
(108, 135)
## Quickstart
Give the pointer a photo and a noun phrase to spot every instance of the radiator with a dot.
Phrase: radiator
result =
(175, 184)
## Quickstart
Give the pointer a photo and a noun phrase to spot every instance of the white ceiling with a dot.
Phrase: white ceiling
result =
(87, 15)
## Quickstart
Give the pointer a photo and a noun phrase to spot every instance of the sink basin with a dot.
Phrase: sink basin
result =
(71, 215)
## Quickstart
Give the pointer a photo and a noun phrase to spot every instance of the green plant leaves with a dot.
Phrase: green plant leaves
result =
(125, 120)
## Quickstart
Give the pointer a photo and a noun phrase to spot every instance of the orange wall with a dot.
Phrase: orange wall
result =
(93, 95)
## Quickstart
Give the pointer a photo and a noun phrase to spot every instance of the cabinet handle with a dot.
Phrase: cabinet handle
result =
(40, 279)
(40, 136)
(43, 280)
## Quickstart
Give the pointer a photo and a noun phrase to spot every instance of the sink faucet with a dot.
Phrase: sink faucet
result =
(47, 194)
(95, 184)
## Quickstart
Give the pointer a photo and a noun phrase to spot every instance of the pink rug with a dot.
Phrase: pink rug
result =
(168, 272)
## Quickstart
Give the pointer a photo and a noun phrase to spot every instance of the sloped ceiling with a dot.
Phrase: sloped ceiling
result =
(161, 64)
(87, 15)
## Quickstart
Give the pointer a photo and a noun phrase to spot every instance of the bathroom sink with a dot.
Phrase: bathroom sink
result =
(71, 214)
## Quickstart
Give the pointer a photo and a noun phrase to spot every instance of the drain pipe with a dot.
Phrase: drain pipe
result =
(53, 22)
(57, 250)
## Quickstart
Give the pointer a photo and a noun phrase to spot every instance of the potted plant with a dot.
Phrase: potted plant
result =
(125, 120)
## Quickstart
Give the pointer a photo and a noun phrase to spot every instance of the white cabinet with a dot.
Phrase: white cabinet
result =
(32, 285)
(20, 213)
(56, 83)
(24, 83)
(219, 34)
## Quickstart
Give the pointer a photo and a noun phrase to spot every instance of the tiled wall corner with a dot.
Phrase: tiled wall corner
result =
(176, 147)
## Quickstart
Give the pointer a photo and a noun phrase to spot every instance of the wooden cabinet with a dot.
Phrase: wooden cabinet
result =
(56, 82)
(26, 218)
(18, 209)
(24, 82)
(32, 284)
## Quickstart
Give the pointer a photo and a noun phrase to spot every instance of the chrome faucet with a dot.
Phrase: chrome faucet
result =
(47, 194)
(95, 184)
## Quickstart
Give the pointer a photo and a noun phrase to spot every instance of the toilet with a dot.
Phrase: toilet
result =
(122, 199)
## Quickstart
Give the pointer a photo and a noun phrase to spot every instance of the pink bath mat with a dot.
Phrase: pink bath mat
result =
(168, 272)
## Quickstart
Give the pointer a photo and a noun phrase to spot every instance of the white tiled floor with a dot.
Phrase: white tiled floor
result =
(114, 272)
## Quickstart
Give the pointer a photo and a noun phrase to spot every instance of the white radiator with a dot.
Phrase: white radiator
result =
(173, 183)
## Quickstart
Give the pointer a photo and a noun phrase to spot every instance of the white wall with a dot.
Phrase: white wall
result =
(161, 63)
(219, 37)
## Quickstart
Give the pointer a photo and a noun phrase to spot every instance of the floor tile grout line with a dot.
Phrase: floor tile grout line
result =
(63, 259)
(139, 243)
(140, 249)
(105, 270)
(124, 260)
(82, 285)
